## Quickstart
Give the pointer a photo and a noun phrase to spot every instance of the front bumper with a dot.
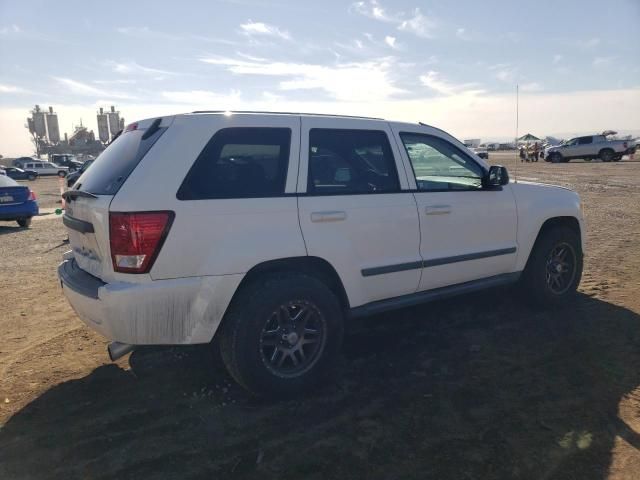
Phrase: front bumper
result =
(161, 312)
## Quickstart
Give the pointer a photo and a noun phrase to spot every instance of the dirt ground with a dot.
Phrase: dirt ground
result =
(479, 387)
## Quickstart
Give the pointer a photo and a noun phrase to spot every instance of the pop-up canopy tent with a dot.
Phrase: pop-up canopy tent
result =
(528, 138)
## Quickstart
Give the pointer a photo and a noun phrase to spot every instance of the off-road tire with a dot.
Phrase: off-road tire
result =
(606, 154)
(534, 286)
(242, 328)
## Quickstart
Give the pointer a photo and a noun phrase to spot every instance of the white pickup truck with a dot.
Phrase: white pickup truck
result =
(588, 148)
(270, 232)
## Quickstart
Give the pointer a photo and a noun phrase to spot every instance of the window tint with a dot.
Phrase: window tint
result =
(350, 161)
(240, 163)
(115, 164)
(439, 165)
(584, 140)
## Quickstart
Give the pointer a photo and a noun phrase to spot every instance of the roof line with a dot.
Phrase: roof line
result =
(288, 113)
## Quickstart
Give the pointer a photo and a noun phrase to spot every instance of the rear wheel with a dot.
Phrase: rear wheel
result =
(554, 269)
(31, 177)
(24, 222)
(606, 155)
(62, 174)
(282, 334)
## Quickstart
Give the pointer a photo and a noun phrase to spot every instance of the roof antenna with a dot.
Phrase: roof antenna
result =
(515, 179)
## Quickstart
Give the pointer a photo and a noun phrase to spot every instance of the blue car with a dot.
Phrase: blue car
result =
(17, 202)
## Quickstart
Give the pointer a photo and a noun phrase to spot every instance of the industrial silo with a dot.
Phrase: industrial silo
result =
(103, 126)
(52, 126)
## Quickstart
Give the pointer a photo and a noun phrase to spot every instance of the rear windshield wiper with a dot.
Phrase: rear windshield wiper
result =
(73, 194)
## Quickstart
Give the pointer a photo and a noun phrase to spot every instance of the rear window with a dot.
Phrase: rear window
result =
(112, 167)
(240, 163)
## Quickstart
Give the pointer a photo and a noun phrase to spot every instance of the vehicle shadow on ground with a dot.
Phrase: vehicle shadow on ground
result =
(477, 387)
(15, 228)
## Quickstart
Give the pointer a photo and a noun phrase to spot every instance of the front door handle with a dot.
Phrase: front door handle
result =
(333, 216)
(437, 209)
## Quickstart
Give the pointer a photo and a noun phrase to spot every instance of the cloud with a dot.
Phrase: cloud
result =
(87, 90)
(419, 25)
(10, 29)
(601, 62)
(391, 41)
(531, 87)
(592, 42)
(373, 9)
(462, 34)
(416, 23)
(134, 68)
(258, 28)
(204, 98)
(5, 88)
(434, 81)
(557, 59)
(356, 81)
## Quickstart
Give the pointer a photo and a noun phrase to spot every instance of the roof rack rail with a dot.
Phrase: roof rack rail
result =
(288, 113)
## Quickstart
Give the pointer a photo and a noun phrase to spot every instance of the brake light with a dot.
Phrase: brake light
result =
(32, 195)
(136, 239)
(624, 144)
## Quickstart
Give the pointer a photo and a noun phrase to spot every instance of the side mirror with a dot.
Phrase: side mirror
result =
(496, 177)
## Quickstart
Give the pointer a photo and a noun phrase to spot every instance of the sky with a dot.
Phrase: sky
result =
(454, 65)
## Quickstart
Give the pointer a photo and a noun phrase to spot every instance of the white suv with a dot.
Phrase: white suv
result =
(46, 168)
(270, 231)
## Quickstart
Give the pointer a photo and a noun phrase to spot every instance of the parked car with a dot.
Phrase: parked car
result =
(587, 148)
(2, 170)
(72, 177)
(66, 160)
(46, 168)
(18, 173)
(482, 152)
(17, 202)
(270, 232)
(20, 161)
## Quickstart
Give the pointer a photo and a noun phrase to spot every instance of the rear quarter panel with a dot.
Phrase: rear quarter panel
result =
(217, 236)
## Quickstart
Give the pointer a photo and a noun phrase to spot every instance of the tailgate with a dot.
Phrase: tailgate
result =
(87, 221)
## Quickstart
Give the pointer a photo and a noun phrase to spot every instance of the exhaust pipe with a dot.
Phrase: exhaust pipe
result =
(117, 350)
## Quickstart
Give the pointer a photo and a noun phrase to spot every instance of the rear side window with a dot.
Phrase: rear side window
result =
(112, 167)
(350, 162)
(585, 140)
(240, 162)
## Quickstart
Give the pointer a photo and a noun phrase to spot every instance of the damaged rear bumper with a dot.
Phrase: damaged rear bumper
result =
(160, 312)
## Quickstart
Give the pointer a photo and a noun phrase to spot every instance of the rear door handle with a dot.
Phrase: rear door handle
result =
(437, 209)
(333, 216)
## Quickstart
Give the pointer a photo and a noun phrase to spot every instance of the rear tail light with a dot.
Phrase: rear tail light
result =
(624, 144)
(32, 195)
(136, 239)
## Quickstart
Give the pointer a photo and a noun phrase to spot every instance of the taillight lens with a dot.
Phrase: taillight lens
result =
(32, 195)
(136, 239)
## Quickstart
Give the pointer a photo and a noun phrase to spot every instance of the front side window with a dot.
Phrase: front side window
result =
(439, 165)
(345, 162)
(240, 163)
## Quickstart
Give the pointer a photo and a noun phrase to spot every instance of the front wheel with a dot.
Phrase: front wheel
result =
(555, 157)
(554, 269)
(282, 334)
(31, 177)
(62, 174)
